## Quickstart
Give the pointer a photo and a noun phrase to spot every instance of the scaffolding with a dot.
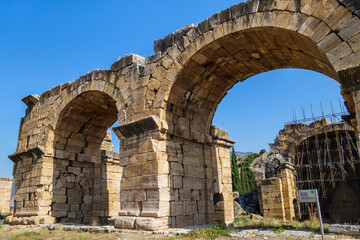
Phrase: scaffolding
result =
(326, 158)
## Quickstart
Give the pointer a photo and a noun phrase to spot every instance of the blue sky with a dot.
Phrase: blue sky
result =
(47, 43)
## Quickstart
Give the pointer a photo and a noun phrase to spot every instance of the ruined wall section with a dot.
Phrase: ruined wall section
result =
(5, 190)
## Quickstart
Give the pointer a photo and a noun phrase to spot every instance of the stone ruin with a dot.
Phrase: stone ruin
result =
(173, 167)
(5, 196)
(320, 155)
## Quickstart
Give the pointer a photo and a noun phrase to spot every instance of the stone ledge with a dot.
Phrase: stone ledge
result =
(140, 126)
(30, 100)
(35, 152)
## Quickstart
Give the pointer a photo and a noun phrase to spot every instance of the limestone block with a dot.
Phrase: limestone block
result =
(185, 194)
(176, 169)
(351, 29)
(341, 51)
(150, 224)
(125, 222)
(59, 198)
(155, 209)
(162, 194)
(176, 208)
(129, 209)
(355, 43)
(182, 221)
(133, 195)
(193, 183)
(193, 171)
(189, 208)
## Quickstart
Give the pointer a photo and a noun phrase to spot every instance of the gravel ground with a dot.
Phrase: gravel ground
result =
(59, 231)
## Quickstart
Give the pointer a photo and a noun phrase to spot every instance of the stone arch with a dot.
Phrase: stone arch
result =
(104, 81)
(293, 135)
(195, 66)
(324, 156)
(77, 165)
(316, 35)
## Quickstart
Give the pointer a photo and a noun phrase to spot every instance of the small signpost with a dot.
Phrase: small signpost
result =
(311, 195)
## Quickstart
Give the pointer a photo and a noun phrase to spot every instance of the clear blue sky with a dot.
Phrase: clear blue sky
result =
(47, 43)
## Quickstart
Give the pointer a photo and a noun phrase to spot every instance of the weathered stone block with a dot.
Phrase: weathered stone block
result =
(125, 222)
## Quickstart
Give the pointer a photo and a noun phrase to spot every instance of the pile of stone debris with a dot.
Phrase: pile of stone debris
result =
(246, 203)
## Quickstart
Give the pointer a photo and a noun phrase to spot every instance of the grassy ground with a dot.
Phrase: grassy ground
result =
(247, 222)
(209, 233)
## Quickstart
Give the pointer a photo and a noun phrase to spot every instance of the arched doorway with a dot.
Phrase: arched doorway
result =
(79, 179)
(211, 67)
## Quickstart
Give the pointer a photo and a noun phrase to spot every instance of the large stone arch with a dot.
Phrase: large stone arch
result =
(176, 168)
(198, 64)
(255, 36)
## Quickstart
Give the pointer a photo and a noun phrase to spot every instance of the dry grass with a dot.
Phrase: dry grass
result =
(247, 222)
(209, 233)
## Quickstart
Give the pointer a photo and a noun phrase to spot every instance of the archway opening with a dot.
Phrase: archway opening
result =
(200, 86)
(327, 160)
(213, 70)
(82, 146)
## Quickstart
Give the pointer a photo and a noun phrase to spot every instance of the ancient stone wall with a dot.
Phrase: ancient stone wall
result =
(165, 101)
(5, 190)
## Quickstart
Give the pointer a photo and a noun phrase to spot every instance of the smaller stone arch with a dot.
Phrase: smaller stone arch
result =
(321, 155)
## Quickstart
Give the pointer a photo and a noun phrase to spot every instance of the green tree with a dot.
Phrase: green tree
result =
(248, 176)
(262, 151)
(235, 176)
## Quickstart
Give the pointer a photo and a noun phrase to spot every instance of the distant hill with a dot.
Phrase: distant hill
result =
(243, 154)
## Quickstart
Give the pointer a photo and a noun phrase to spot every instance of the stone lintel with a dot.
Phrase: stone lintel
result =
(30, 100)
(350, 79)
(140, 126)
(35, 152)
(221, 137)
(224, 142)
(127, 60)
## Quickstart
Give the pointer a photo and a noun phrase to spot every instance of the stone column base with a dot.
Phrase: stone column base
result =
(32, 220)
(141, 223)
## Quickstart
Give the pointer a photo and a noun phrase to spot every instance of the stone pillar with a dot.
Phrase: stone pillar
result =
(111, 174)
(222, 184)
(289, 190)
(272, 196)
(33, 173)
(145, 189)
(5, 190)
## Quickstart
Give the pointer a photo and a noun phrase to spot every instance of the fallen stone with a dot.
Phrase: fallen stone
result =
(238, 210)
(353, 230)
